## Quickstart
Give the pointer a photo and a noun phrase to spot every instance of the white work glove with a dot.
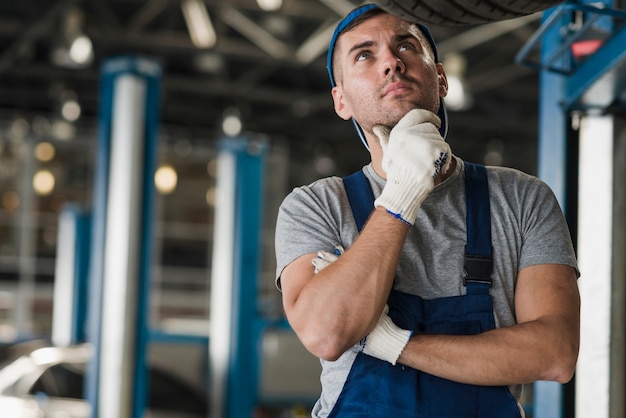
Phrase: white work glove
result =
(387, 340)
(325, 258)
(414, 152)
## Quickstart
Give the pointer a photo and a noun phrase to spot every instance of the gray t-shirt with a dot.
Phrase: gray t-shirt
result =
(528, 228)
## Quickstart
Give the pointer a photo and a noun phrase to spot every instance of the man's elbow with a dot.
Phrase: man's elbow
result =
(564, 365)
(566, 372)
(326, 347)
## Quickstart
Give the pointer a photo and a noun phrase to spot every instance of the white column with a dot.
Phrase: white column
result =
(222, 281)
(595, 252)
(121, 250)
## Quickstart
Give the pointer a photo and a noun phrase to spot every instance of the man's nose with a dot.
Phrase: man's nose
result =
(392, 63)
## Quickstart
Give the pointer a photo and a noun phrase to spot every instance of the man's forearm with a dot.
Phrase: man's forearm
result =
(341, 304)
(514, 355)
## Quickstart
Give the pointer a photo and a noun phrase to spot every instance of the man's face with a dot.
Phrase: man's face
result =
(384, 68)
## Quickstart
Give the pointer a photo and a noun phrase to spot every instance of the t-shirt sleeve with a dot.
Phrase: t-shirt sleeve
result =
(306, 223)
(546, 236)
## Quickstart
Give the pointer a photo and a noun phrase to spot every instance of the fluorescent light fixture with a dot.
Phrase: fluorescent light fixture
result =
(199, 24)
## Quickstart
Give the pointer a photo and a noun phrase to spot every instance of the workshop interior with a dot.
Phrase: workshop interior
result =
(146, 145)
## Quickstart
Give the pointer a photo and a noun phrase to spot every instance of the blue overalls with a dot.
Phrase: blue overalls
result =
(375, 388)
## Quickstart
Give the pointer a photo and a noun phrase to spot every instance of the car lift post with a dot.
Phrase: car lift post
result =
(121, 236)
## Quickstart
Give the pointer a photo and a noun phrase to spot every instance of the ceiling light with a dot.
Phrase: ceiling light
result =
(43, 182)
(81, 50)
(44, 151)
(211, 197)
(63, 130)
(73, 49)
(165, 179)
(209, 62)
(231, 124)
(211, 168)
(198, 23)
(10, 200)
(457, 98)
(19, 128)
(270, 5)
(70, 110)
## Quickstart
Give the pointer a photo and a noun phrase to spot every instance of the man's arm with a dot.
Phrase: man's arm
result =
(543, 345)
(332, 310)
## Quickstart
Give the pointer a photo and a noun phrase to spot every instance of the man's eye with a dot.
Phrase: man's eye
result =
(405, 46)
(363, 56)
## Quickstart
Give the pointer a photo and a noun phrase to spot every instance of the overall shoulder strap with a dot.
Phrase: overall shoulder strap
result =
(360, 196)
(478, 259)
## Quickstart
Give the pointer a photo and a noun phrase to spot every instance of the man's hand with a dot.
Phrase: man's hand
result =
(414, 153)
(325, 258)
(387, 340)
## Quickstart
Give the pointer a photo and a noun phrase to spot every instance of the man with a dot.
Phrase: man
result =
(434, 308)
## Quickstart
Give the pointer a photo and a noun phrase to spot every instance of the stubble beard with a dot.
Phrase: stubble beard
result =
(391, 115)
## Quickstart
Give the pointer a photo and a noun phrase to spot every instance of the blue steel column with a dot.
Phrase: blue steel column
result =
(243, 379)
(122, 218)
(566, 84)
(552, 168)
(234, 315)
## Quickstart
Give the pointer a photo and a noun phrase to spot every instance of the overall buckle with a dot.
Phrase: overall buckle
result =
(477, 269)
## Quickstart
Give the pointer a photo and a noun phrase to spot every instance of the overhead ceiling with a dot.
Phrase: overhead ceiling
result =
(270, 65)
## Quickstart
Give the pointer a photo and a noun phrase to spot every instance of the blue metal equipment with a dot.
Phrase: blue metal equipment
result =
(121, 227)
(235, 322)
(593, 81)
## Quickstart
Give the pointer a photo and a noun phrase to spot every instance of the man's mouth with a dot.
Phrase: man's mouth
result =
(395, 88)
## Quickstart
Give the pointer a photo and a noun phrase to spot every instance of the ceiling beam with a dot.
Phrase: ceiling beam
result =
(341, 7)
(482, 34)
(316, 44)
(146, 14)
(255, 33)
(38, 29)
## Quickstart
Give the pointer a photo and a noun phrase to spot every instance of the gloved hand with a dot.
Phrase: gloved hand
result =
(325, 258)
(387, 340)
(414, 152)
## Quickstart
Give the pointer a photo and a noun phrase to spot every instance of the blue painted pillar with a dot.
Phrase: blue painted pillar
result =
(121, 245)
(233, 350)
(552, 168)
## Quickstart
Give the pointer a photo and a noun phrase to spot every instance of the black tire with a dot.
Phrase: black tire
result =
(463, 12)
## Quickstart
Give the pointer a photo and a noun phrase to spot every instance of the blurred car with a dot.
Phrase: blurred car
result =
(49, 383)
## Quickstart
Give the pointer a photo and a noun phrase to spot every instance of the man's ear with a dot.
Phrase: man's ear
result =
(341, 108)
(443, 80)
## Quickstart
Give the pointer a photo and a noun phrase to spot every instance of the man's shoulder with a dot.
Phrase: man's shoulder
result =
(320, 186)
(502, 171)
(512, 185)
(510, 176)
(321, 190)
